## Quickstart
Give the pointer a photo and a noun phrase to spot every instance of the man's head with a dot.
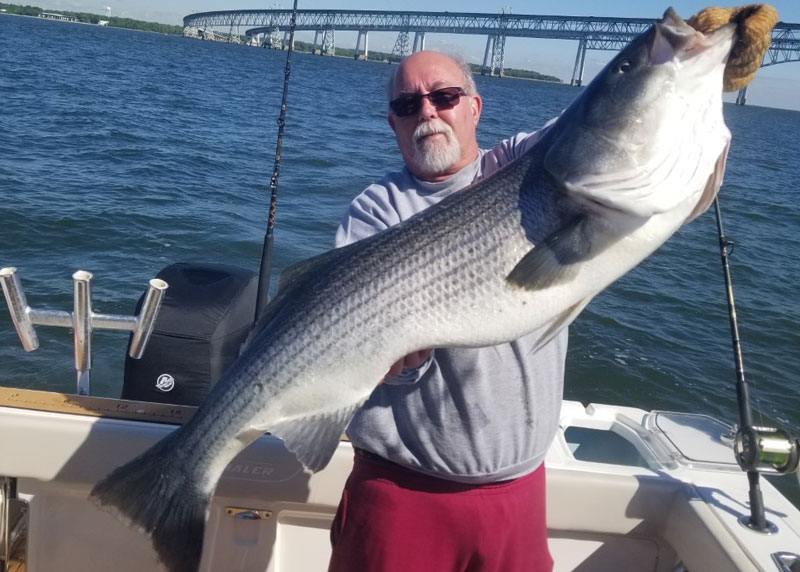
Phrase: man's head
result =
(435, 134)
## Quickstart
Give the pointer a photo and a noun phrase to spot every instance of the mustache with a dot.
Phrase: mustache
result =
(432, 127)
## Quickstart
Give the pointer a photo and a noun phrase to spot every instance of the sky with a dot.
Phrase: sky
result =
(774, 86)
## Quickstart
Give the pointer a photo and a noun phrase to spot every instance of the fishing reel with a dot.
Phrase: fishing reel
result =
(766, 450)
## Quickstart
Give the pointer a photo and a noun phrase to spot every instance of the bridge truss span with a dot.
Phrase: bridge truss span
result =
(591, 33)
(784, 46)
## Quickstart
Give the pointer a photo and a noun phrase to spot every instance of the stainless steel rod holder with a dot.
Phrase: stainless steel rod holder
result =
(18, 308)
(147, 317)
(82, 319)
(82, 328)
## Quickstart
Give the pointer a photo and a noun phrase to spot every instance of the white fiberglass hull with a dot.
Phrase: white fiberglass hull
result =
(617, 499)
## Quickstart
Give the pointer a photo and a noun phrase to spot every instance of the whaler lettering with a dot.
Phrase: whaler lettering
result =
(254, 470)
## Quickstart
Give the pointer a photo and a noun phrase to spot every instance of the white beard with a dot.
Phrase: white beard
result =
(434, 156)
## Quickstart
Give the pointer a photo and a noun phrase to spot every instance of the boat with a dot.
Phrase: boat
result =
(627, 490)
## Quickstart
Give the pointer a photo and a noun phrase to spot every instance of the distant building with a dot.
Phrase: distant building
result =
(54, 16)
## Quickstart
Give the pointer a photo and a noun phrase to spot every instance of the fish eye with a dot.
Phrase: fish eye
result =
(624, 66)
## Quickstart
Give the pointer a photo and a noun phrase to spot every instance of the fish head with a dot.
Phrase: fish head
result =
(647, 134)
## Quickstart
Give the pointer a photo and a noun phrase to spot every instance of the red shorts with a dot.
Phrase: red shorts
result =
(392, 519)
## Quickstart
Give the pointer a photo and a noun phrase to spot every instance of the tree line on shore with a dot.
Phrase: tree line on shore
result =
(88, 18)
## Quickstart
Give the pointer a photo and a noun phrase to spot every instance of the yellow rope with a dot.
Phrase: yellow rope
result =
(754, 32)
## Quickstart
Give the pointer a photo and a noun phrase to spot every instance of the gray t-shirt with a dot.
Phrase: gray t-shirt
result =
(468, 415)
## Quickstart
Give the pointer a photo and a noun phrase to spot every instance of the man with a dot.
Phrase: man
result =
(448, 473)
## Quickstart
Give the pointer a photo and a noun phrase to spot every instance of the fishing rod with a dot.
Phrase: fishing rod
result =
(757, 449)
(262, 297)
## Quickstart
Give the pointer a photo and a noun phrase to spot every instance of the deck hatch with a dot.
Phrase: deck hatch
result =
(697, 440)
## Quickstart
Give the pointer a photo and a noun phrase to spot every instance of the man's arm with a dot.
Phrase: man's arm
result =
(512, 148)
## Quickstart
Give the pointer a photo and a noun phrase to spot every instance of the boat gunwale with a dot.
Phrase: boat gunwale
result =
(105, 407)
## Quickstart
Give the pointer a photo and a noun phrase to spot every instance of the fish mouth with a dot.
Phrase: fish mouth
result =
(675, 40)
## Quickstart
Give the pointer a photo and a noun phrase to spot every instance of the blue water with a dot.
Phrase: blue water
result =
(121, 152)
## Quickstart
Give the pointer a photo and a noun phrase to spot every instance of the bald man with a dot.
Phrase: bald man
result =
(449, 449)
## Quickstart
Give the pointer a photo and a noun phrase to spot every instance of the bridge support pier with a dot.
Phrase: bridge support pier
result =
(358, 45)
(489, 46)
(496, 44)
(328, 42)
(316, 41)
(741, 97)
(580, 64)
(402, 46)
(273, 41)
(419, 42)
(498, 54)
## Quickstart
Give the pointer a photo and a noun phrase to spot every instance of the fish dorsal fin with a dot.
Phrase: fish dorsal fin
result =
(292, 277)
(712, 185)
(293, 272)
(313, 439)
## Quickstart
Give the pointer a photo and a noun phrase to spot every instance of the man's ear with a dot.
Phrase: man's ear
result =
(390, 119)
(476, 104)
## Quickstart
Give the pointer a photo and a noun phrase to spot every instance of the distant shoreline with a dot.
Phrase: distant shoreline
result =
(84, 23)
(50, 19)
(90, 18)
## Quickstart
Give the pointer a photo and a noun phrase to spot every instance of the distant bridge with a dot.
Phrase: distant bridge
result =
(591, 33)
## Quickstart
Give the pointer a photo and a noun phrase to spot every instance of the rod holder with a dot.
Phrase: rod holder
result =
(147, 317)
(82, 328)
(18, 308)
(82, 319)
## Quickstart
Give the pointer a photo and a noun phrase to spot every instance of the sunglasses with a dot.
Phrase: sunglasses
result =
(441, 99)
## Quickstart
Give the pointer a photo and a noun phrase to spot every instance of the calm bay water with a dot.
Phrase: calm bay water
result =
(122, 152)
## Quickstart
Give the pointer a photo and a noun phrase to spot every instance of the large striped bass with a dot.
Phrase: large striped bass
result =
(638, 153)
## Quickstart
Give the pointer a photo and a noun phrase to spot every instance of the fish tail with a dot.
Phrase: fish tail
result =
(154, 494)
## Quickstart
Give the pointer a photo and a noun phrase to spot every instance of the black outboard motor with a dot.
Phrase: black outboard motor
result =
(205, 317)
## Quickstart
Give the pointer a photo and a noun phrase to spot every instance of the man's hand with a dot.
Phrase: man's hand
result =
(411, 361)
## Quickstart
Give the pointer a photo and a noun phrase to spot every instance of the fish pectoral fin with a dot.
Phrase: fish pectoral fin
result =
(553, 260)
(712, 186)
(313, 439)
